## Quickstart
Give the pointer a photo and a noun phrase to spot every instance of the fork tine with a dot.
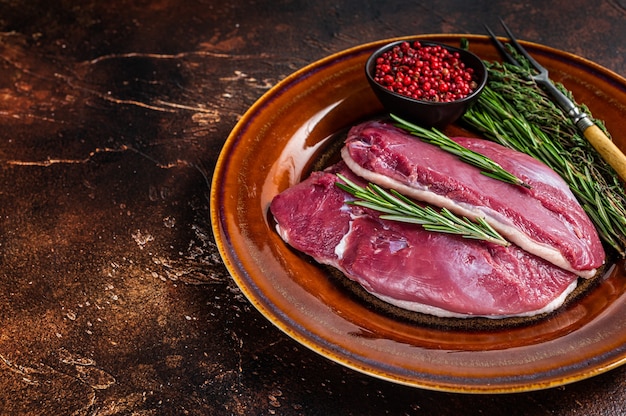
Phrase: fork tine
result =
(500, 46)
(521, 49)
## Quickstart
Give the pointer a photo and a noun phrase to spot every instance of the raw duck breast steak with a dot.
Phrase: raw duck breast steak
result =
(404, 265)
(545, 220)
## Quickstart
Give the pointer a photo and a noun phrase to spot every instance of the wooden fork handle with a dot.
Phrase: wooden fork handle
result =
(607, 149)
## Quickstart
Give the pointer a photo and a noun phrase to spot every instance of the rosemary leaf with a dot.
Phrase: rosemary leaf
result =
(488, 167)
(396, 207)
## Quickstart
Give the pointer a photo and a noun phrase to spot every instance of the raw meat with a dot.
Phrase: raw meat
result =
(545, 220)
(404, 265)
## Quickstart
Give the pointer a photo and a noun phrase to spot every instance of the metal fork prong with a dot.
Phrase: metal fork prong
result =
(501, 48)
(521, 49)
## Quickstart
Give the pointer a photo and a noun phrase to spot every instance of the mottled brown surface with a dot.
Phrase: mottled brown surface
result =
(114, 298)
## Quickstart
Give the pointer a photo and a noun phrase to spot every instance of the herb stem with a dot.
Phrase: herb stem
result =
(396, 207)
(435, 137)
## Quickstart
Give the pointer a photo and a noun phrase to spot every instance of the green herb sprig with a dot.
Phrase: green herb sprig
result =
(433, 136)
(396, 207)
(515, 112)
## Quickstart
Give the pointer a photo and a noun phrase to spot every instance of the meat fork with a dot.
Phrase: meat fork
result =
(605, 146)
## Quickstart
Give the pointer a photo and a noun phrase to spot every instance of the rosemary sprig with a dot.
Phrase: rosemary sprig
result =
(488, 167)
(515, 112)
(396, 207)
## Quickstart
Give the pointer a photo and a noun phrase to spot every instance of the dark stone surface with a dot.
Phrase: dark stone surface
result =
(114, 298)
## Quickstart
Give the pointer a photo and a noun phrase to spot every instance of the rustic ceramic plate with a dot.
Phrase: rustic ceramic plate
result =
(274, 146)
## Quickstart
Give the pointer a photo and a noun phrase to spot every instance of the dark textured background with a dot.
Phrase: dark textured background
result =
(114, 298)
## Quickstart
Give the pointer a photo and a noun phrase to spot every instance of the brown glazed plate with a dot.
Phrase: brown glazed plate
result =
(291, 130)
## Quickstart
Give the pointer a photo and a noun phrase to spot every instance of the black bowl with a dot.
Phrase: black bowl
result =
(422, 112)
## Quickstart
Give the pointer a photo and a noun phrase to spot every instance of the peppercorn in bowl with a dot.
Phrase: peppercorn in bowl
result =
(428, 83)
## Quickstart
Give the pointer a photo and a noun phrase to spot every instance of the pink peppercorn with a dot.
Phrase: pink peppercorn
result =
(424, 72)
